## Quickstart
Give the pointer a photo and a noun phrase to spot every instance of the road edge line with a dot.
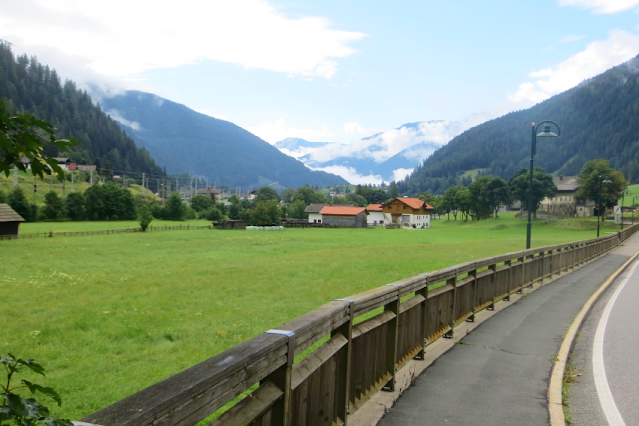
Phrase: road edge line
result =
(555, 400)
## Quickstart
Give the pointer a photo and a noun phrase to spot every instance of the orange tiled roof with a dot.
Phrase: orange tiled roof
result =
(415, 203)
(342, 210)
(375, 208)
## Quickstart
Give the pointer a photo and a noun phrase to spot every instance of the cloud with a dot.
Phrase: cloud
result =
(598, 57)
(115, 114)
(273, 132)
(602, 6)
(570, 38)
(354, 127)
(123, 38)
(400, 174)
(351, 175)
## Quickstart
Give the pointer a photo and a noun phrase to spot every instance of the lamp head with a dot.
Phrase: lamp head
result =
(547, 133)
(606, 181)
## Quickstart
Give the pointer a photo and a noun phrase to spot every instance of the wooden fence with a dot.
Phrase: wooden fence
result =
(357, 360)
(102, 232)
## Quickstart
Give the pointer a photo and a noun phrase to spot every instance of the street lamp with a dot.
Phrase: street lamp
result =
(606, 181)
(533, 150)
(623, 195)
(632, 212)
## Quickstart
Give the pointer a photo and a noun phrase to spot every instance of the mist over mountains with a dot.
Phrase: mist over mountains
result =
(388, 155)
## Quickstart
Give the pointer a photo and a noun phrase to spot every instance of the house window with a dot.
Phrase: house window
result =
(319, 221)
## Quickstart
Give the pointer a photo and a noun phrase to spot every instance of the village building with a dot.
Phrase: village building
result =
(344, 216)
(63, 162)
(9, 221)
(411, 212)
(313, 210)
(564, 201)
(376, 216)
(214, 193)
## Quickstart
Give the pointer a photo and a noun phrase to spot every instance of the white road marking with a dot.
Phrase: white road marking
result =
(599, 370)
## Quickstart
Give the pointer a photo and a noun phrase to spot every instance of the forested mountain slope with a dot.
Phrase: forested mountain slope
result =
(598, 119)
(184, 140)
(30, 87)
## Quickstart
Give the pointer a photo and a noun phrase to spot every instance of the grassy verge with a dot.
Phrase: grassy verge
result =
(109, 315)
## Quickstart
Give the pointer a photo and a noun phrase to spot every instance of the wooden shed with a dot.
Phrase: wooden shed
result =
(344, 216)
(9, 220)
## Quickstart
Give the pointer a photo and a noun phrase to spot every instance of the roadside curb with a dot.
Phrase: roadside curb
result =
(555, 400)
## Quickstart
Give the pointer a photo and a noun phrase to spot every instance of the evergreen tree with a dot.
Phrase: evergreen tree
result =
(75, 206)
(19, 203)
(53, 206)
(175, 209)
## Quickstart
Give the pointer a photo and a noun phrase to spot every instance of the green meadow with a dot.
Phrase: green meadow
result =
(109, 315)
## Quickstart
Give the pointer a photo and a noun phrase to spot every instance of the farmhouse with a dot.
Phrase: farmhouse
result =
(408, 212)
(376, 216)
(344, 216)
(564, 201)
(9, 220)
(313, 210)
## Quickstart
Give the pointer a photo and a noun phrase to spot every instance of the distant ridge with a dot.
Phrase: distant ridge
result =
(599, 119)
(185, 140)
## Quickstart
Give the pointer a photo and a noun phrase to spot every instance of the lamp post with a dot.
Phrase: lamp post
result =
(533, 150)
(623, 195)
(606, 181)
(632, 212)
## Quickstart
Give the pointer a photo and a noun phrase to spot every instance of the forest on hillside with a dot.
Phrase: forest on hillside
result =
(30, 87)
(598, 119)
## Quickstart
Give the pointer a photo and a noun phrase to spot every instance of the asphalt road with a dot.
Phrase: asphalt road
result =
(606, 388)
(499, 374)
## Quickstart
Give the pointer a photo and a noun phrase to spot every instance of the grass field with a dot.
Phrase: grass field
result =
(35, 227)
(109, 315)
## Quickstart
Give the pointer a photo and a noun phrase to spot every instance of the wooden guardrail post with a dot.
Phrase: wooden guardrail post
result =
(474, 294)
(522, 280)
(281, 411)
(393, 332)
(493, 286)
(452, 281)
(343, 381)
(510, 279)
(423, 318)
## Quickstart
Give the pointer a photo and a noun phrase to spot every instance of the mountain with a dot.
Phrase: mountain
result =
(599, 118)
(184, 140)
(30, 87)
(383, 154)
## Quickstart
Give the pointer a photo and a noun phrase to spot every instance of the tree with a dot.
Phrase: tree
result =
(309, 196)
(376, 196)
(53, 206)
(394, 192)
(25, 135)
(201, 202)
(266, 193)
(175, 209)
(19, 203)
(234, 199)
(542, 187)
(144, 217)
(297, 210)
(452, 200)
(75, 206)
(356, 200)
(266, 213)
(486, 194)
(3, 198)
(590, 187)
(213, 214)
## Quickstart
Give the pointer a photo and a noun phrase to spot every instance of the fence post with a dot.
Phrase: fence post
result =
(452, 281)
(423, 318)
(523, 274)
(474, 294)
(391, 355)
(493, 286)
(343, 380)
(282, 379)
(510, 279)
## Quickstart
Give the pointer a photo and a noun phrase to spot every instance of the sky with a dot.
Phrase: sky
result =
(329, 70)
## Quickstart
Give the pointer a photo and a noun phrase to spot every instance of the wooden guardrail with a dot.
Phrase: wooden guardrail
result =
(357, 360)
(101, 232)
